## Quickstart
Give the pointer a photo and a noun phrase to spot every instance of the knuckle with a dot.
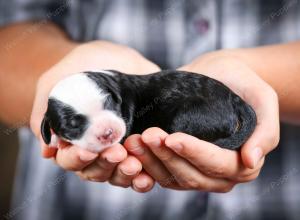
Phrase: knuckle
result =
(169, 181)
(162, 183)
(219, 171)
(146, 133)
(103, 165)
(152, 134)
(132, 138)
(70, 163)
(177, 136)
(216, 171)
(97, 178)
(195, 185)
(132, 141)
(91, 177)
(192, 183)
(166, 157)
(178, 133)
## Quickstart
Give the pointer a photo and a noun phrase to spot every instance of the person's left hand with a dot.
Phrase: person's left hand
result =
(113, 164)
(181, 161)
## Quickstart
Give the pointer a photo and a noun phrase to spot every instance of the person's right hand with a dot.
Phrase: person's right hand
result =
(181, 161)
(113, 164)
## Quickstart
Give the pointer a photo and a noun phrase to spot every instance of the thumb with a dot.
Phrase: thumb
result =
(266, 134)
(259, 144)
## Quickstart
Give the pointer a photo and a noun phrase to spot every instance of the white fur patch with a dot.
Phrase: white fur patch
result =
(77, 90)
(83, 94)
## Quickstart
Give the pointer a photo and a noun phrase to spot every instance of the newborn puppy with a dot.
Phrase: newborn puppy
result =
(95, 110)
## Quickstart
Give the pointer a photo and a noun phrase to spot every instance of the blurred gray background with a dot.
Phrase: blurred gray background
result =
(8, 158)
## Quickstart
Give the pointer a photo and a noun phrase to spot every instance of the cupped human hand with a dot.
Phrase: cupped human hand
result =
(113, 164)
(181, 161)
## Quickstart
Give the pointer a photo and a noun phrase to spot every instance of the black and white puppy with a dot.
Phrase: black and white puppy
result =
(95, 110)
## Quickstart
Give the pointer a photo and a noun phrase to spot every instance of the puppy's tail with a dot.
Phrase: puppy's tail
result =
(247, 123)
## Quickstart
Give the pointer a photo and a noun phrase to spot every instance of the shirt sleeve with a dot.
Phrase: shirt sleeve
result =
(12, 11)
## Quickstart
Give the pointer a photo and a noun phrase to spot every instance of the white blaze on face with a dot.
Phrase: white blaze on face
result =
(83, 94)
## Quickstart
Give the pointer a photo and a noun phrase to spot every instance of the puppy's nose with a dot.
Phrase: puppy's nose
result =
(107, 134)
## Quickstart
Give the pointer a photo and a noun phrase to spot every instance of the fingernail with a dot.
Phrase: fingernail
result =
(175, 147)
(110, 160)
(137, 150)
(86, 156)
(256, 155)
(128, 173)
(141, 184)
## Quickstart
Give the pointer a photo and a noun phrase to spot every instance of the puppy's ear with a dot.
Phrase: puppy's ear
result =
(45, 131)
(115, 94)
(54, 141)
(116, 97)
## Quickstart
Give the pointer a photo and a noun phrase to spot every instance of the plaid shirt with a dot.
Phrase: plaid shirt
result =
(170, 33)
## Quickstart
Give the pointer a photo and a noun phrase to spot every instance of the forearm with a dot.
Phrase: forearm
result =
(23, 58)
(279, 66)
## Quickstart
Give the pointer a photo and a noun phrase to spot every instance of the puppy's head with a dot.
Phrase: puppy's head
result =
(85, 110)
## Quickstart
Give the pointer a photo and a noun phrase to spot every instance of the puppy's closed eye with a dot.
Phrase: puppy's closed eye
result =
(77, 120)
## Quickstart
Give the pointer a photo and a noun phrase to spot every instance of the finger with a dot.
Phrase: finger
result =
(126, 171)
(151, 164)
(187, 175)
(143, 182)
(266, 134)
(74, 158)
(115, 153)
(99, 171)
(50, 152)
(47, 152)
(102, 168)
(250, 174)
(209, 158)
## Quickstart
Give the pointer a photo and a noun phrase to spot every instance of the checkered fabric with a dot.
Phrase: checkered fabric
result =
(170, 33)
